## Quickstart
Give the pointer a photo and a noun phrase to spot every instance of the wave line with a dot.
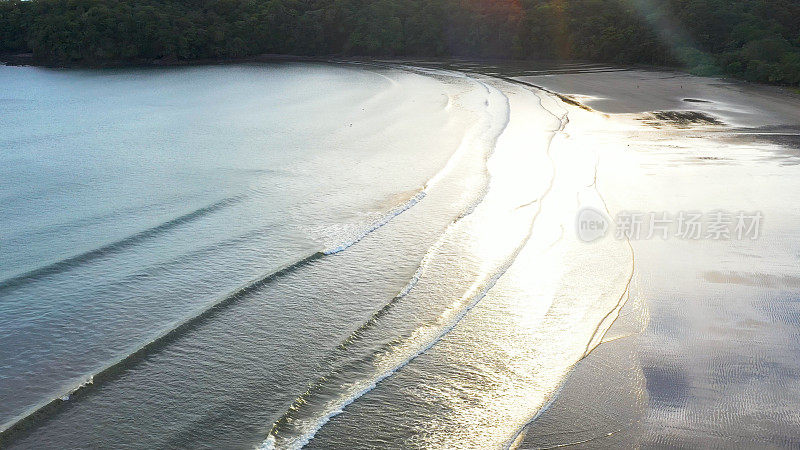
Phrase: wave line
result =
(76, 260)
(467, 301)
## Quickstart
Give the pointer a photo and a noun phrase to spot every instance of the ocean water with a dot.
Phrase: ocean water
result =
(289, 254)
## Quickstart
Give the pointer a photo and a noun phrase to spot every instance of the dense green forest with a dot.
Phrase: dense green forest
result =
(753, 39)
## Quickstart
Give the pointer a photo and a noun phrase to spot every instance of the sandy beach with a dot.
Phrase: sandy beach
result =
(705, 353)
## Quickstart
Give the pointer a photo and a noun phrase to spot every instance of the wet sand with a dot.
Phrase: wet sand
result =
(706, 352)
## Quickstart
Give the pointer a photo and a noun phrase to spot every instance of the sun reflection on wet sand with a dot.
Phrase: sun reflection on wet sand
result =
(499, 365)
(714, 356)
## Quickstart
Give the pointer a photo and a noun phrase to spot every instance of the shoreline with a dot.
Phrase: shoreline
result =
(28, 60)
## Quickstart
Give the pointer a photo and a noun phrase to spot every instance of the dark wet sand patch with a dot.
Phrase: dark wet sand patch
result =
(667, 385)
(571, 101)
(680, 119)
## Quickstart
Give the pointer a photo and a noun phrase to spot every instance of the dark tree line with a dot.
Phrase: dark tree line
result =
(754, 39)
